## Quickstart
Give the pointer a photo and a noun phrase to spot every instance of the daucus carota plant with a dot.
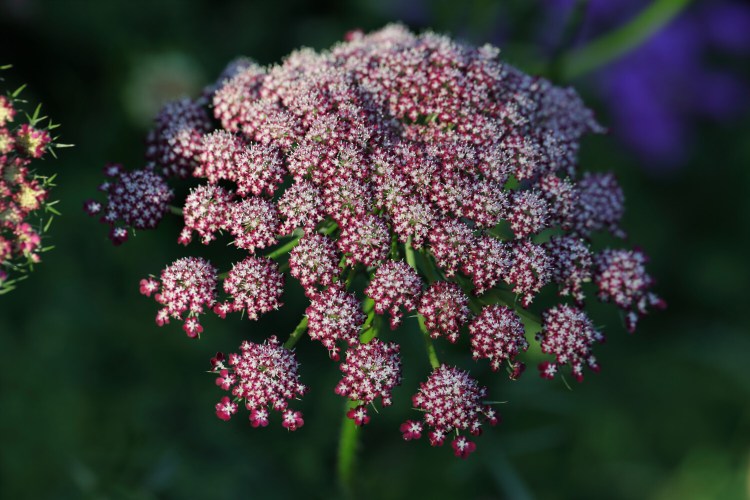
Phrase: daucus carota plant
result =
(25, 208)
(444, 176)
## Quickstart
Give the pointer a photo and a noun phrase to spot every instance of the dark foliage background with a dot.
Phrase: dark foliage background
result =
(97, 402)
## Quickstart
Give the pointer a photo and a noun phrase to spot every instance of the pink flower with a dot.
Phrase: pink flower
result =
(497, 334)
(569, 335)
(262, 376)
(254, 222)
(622, 278)
(395, 285)
(445, 308)
(451, 401)
(187, 286)
(314, 261)
(370, 371)
(255, 286)
(334, 315)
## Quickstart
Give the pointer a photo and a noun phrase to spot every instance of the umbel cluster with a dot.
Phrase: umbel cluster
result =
(25, 208)
(444, 176)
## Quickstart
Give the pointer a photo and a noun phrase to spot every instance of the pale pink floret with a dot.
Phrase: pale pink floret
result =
(365, 240)
(314, 262)
(254, 223)
(255, 286)
(205, 212)
(529, 272)
(301, 206)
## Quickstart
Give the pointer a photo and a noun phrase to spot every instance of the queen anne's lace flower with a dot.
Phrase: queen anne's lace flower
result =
(314, 262)
(488, 263)
(205, 212)
(254, 223)
(175, 142)
(365, 240)
(570, 265)
(137, 199)
(450, 243)
(529, 272)
(349, 160)
(601, 204)
(255, 286)
(301, 206)
(219, 156)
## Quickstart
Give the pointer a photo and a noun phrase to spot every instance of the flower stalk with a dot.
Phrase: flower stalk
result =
(347, 451)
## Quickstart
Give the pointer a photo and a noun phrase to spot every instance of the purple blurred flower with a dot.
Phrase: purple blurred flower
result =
(657, 92)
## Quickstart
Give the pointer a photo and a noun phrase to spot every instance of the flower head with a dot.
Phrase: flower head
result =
(255, 286)
(568, 334)
(262, 376)
(348, 160)
(445, 308)
(451, 401)
(622, 278)
(370, 371)
(187, 286)
(497, 334)
(334, 315)
(395, 286)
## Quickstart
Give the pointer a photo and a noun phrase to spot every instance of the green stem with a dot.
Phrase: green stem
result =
(296, 334)
(326, 230)
(431, 353)
(429, 268)
(283, 249)
(347, 449)
(620, 41)
(174, 210)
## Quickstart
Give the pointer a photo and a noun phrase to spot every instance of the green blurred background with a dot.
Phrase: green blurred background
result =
(96, 401)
